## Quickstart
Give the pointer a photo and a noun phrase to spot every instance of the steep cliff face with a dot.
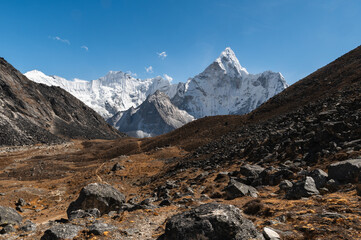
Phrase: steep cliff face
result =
(155, 116)
(225, 87)
(35, 113)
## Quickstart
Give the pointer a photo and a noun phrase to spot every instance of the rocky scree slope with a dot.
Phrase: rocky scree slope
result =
(35, 113)
(155, 116)
(309, 127)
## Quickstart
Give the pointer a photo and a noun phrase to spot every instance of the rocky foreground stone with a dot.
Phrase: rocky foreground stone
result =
(103, 197)
(211, 221)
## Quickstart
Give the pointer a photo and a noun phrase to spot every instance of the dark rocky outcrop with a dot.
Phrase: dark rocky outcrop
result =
(346, 171)
(103, 197)
(61, 232)
(211, 221)
(236, 189)
(35, 113)
(303, 188)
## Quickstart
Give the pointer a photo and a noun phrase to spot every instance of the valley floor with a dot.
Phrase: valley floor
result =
(48, 178)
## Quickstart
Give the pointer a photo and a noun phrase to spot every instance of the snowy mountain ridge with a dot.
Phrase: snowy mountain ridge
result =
(225, 87)
(116, 91)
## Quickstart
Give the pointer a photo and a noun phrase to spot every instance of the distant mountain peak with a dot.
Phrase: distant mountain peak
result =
(225, 87)
(156, 115)
(228, 62)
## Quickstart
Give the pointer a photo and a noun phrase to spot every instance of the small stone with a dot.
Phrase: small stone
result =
(270, 234)
(285, 185)
(28, 226)
(21, 202)
(19, 209)
(117, 167)
(165, 202)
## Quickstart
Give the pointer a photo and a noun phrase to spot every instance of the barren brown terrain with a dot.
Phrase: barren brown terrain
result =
(312, 124)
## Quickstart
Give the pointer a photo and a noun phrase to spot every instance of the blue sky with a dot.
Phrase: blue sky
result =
(86, 39)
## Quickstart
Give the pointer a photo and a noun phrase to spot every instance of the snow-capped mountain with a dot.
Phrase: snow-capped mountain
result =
(155, 116)
(117, 91)
(225, 87)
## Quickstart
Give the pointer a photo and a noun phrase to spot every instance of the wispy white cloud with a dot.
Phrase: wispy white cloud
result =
(162, 55)
(132, 74)
(60, 39)
(167, 77)
(149, 69)
(85, 48)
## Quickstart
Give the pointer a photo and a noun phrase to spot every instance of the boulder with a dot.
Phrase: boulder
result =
(61, 232)
(251, 170)
(345, 171)
(9, 215)
(103, 197)
(211, 221)
(236, 189)
(320, 177)
(98, 228)
(303, 188)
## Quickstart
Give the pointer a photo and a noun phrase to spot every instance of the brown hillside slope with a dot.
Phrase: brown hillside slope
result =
(342, 73)
(34, 113)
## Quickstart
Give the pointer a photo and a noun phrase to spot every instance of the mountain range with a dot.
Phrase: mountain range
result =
(224, 87)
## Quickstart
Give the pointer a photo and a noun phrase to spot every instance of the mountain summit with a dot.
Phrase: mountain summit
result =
(155, 116)
(225, 87)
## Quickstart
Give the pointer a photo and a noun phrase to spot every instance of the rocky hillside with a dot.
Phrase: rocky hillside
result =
(155, 116)
(288, 170)
(35, 113)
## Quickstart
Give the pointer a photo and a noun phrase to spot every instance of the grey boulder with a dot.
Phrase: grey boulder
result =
(103, 197)
(211, 221)
(320, 177)
(9, 215)
(236, 189)
(303, 188)
(61, 232)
